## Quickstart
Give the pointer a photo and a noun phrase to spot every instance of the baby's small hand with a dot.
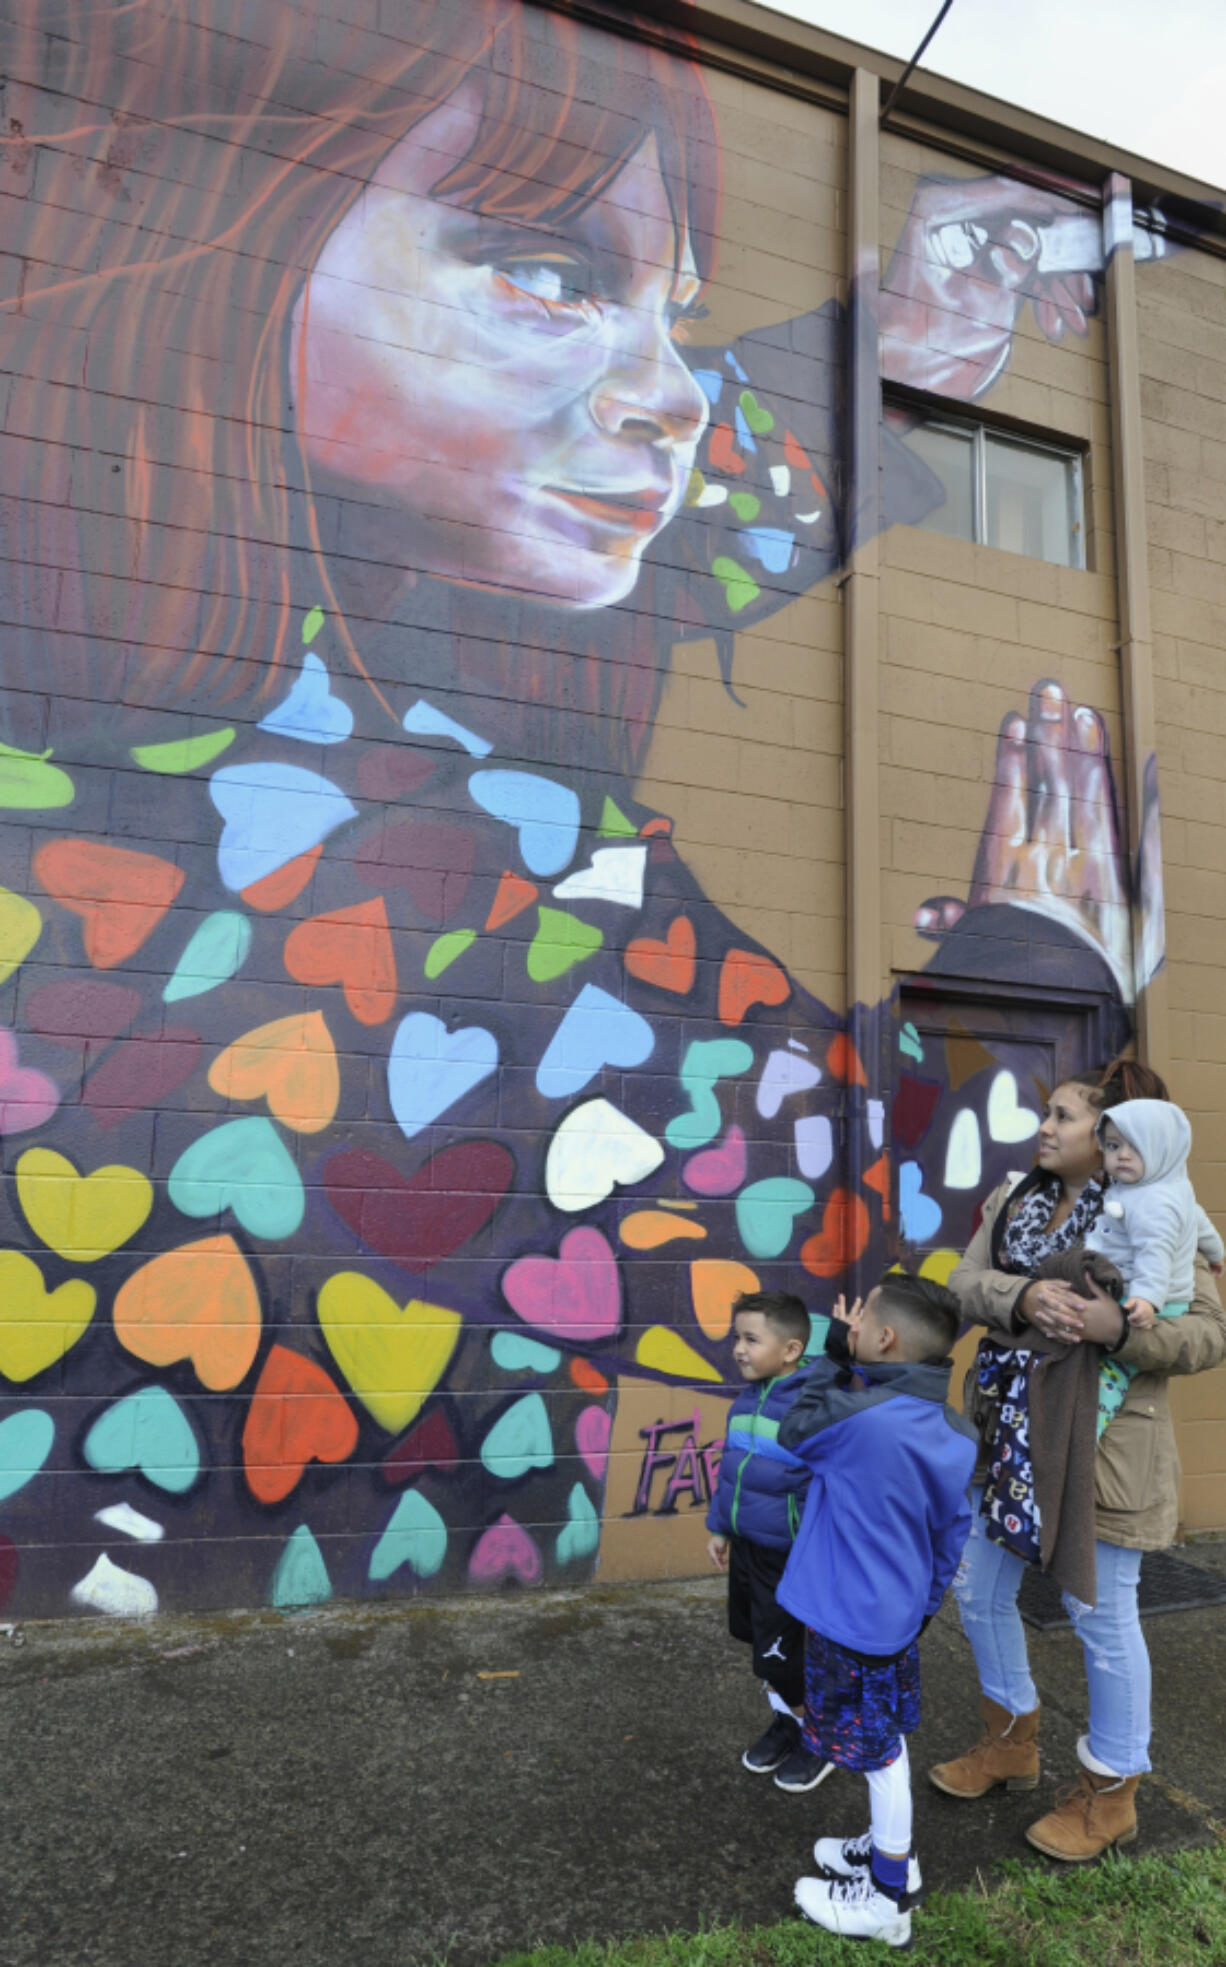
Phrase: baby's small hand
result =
(1141, 1314)
(717, 1551)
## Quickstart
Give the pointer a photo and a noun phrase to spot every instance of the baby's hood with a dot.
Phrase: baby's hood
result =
(1158, 1131)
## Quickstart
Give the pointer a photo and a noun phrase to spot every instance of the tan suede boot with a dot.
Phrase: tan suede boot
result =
(1090, 1816)
(1007, 1752)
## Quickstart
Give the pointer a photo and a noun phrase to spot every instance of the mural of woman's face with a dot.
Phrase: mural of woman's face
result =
(505, 401)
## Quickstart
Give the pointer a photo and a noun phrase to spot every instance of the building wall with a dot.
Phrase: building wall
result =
(423, 914)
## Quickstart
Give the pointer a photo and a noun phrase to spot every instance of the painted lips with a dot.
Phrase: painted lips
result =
(640, 511)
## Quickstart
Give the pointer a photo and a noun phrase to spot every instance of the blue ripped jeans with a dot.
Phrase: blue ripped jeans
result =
(1117, 1662)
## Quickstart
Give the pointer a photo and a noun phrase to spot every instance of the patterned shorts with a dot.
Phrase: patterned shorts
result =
(854, 1714)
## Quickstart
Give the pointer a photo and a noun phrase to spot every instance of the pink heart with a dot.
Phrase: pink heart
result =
(505, 1549)
(718, 1170)
(592, 1430)
(27, 1097)
(576, 1295)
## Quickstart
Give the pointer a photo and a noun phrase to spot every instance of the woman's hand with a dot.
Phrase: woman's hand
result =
(1054, 1309)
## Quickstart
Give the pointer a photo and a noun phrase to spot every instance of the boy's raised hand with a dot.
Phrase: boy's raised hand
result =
(839, 1310)
(717, 1551)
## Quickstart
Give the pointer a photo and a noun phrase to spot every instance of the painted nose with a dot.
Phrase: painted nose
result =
(647, 393)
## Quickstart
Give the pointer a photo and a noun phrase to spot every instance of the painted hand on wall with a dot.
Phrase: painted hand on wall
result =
(971, 254)
(1051, 840)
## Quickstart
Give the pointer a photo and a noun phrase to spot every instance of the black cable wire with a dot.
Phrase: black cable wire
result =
(905, 77)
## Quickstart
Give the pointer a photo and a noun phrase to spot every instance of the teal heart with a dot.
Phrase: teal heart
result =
(215, 953)
(580, 1537)
(148, 1431)
(909, 1042)
(244, 1166)
(766, 1212)
(519, 1440)
(301, 1576)
(706, 1062)
(517, 1354)
(25, 1443)
(416, 1536)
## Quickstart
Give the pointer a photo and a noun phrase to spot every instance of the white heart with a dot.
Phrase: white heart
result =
(782, 1075)
(963, 1157)
(814, 1145)
(118, 1593)
(595, 1148)
(616, 875)
(1007, 1121)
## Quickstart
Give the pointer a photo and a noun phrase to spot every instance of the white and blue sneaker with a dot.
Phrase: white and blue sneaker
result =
(855, 1908)
(843, 1857)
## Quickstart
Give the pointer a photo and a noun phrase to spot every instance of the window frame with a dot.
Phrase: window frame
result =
(980, 432)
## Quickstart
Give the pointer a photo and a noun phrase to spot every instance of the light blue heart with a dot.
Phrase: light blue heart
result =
(771, 546)
(25, 1443)
(416, 1536)
(430, 1068)
(517, 1354)
(921, 1216)
(580, 1537)
(519, 1440)
(423, 720)
(148, 1431)
(766, 1213)
(743, 437)
(710, 382)
(215, 953)
(706, 1062)
(272, 814)
(598, 1030)
(245, 1166)
(545, 814)
(310, 713)
(301, 1576)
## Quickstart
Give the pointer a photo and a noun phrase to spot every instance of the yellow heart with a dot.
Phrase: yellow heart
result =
(81, 1217)
(21, 925)
(291, 1063)
(38, 1326)
(393, 1356)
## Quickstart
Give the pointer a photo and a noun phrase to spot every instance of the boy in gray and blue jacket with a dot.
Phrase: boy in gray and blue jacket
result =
(754, 1515)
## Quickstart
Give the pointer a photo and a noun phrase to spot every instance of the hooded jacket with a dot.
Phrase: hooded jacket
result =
(1151, 1227)
(886, 1515)
(761, 1487)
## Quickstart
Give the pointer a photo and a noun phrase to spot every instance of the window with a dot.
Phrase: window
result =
(997, 489)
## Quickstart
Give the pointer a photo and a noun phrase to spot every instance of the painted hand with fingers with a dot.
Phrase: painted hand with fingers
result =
(1051, 841)
(972, 252)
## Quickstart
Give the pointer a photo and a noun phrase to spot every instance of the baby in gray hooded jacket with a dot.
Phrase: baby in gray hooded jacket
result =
(1151, 1224)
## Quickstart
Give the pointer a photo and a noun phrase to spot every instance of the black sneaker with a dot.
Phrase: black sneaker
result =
(774, 1747)
(802, 1771)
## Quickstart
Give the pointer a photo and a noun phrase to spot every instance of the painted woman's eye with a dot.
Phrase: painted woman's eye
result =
(559, 282)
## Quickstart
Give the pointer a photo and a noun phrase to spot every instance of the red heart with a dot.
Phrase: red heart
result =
(842, 1238)
(351, 947)
(296, 1416)
(670, 964)
(120, 896)
(418, 1221)
(746, 979)
(432, 1444)
(81, 1011)
(433, 863)
(576, 1295)
(141, 1072)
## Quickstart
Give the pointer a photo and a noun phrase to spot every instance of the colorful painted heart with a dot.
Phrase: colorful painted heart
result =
(505, 1550)
(651, 1229)
(784, 1074)
(592, 1432)
(747, 979)
(301, 1576)
(433, 1213)
(579, 1536)
(81, 1217)
(37, 1326)
(514, 1352)
(291, 1063)
(432, 1444)
(561, 941)
(272, 813)
(766, 1213)
(430, 1068)
(842, 1238)
(27, 1097)
(310, 713)
(661, 1350)
(670, 964)
(21, 925)
(392, 1356)
(814, 1137)
(595, 1149)
(244, 1166)
(519, 1441)
(576, 1295)
(198, 1303)
(351, 947)
(597, 1031)
(26, 1440)
(140, 1072)
(424, 720)
(416, 1535)
(297, 1415)
(706, 1062)
(216, 952)
(120, 896)
(715, 1282)
(544, 814)
(148, 1431)
(719, 1170)
(615, 876)
(1009, 1122)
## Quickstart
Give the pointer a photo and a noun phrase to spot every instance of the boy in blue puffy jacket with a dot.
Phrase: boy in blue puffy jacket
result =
(754, 1515)
(885, 1520)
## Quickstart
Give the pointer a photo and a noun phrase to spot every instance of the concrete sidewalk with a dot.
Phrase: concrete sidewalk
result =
(350, 1785)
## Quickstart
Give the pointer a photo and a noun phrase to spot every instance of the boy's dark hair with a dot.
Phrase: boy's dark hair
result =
(783, 1311)
(925, 1315)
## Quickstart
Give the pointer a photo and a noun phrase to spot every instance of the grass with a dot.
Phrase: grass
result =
(1124, 1912)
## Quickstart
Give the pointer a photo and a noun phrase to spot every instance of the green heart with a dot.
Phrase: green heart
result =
(740, 588)
(560, 942)
(746, 505)
(760, 421)
(183, 754)
(613, 823)
(443, 952)
(244, 1166)
(27, 781)
(312, 625)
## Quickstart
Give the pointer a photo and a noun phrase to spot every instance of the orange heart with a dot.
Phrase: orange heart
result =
(588, 1377)
(120, 896)
(843, 1062)
(291, 1063)
(351, 947)
(714, 1283)
(296, 1416)
(670, 964)
(284, 885)
(199, 1303)
(878, 1179)
(746, 979)
(513, 897)
(842, 1238)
